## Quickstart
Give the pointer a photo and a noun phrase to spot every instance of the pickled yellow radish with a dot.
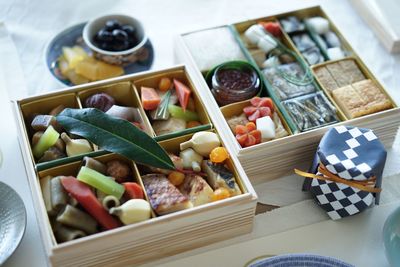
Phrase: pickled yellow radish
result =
(72, 56)
(97, 70)
(63, 65)
(87, 68)
(80, 51)
(47, 140)
(105, 71)
(76, 78)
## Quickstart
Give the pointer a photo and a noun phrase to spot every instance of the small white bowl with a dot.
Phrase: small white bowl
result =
(115, 57)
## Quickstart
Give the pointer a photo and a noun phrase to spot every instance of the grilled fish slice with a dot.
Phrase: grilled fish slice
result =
(178, 163)
(196, 189)
(164, 197)
(219, 176)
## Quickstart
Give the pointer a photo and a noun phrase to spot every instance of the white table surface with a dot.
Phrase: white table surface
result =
(32, 23)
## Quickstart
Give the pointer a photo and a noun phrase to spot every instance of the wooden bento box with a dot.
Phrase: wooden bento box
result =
(204, 50)
(149, 240)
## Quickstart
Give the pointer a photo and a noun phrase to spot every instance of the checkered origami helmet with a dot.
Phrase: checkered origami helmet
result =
(351, 153)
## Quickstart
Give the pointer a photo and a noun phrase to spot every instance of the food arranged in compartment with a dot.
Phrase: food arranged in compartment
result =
(203, 174)
(234, 81)
(361, 98)
(97, 194)
(308, 48)
(79, 66)
(353, 92)
(118, 100)
(289, 78)
(311, 111)
(212, 47)
(281, 49)
(284, 86)
(284, 70)
(49, 141)
(334, 75)
(255, 121)
(314, 38)
(171, 104)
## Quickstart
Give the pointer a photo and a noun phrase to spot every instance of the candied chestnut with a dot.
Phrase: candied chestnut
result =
(100, 101)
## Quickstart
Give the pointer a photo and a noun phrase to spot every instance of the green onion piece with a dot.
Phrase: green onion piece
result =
(100, 182)
(177, 112)
(47, 140)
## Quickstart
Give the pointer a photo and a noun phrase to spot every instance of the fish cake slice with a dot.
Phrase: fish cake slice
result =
(164, 197)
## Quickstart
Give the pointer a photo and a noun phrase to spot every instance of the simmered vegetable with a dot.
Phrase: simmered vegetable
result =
(132, 211)
(183, 93)
(202, 142)
(84, 195)
(164, 84)
(74, 217)
(150, 98)
(191, 159)
(47, 140)
(133, 190)
(100, 182)
(247, 135)
(76, 146)
(180, 113)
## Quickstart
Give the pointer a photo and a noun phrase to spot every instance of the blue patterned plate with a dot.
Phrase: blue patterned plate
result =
(298, 260)
(73, 36)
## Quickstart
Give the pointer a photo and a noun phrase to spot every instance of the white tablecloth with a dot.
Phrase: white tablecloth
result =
(32, 23)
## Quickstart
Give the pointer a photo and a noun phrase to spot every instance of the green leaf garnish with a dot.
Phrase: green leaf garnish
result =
(115, 135)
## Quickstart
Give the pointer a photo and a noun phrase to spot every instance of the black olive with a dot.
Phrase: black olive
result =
(132, 41)
(119, 35)
(103, 36)
(106, 46)
(112, 24)
(130, 30)
(120, 45)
